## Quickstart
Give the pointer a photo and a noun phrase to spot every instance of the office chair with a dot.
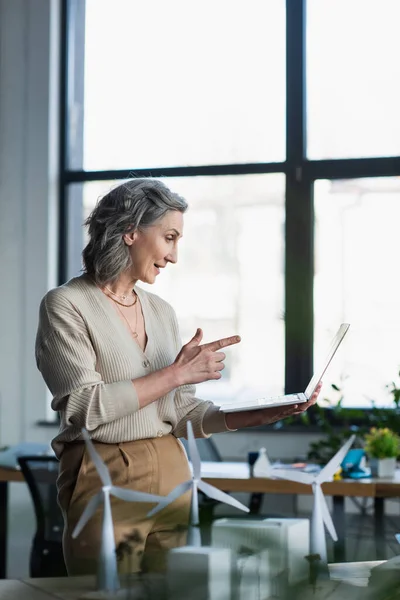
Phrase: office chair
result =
(46, 556)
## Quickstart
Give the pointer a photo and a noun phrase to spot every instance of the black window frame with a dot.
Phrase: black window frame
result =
(300, 174)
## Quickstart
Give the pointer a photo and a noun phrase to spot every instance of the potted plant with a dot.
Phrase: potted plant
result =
(382, 445)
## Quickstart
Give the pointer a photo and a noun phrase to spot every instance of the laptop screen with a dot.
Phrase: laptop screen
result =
(337, 340)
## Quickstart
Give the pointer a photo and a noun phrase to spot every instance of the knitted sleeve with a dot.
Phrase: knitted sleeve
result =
(67, 361)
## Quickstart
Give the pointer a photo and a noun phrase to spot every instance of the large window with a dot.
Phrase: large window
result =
(181, 83)
(353, 77)
(268, 126)
(356, 258)
(233, 232)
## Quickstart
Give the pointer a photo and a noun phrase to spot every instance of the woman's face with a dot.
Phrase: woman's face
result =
(156, 246)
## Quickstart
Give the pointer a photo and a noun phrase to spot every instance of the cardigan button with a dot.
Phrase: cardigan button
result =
(160, 433)
(146, 364)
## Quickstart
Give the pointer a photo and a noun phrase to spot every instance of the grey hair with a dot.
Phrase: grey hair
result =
(133, 205)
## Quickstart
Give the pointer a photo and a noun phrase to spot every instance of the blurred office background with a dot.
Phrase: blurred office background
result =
(278, 121)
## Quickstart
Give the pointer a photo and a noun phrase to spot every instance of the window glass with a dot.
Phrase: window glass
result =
(353, 78)
(229, 277)
(176, 83)
(356, 281)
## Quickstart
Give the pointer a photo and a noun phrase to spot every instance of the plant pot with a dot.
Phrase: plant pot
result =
(382, 467)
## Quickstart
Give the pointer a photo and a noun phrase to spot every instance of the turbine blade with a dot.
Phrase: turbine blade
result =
(326, 515)
(194, 505)
(180, 489)
(132, 496)
(213, 492)
(327, 473)
(87, 514)
(98, 463)
(193, 452)
(293, 475)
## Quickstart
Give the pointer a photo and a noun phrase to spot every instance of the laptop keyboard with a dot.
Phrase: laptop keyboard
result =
(272, 400)
(276, 399)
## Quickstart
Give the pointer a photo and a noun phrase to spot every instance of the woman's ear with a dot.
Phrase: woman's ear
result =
(129, 237)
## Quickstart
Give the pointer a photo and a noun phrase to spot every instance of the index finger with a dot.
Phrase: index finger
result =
(223, 343)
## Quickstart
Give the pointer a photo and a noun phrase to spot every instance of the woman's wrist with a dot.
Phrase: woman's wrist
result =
(176, 375)
(154, 386)
(238, 420)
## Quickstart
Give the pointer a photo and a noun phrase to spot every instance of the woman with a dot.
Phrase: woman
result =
(112, 357)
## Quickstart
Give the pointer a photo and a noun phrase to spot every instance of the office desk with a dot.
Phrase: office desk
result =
(234, 477)
(74, 588)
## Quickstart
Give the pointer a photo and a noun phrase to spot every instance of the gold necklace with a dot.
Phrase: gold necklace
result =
(133, 331)
(121, 303)
(122, 297)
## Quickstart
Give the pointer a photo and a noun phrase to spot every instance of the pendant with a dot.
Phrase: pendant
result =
(134, 334)
(124, 297)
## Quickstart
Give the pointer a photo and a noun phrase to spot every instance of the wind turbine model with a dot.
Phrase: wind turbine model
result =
(107, 575)
(194, 537)
(320, 513)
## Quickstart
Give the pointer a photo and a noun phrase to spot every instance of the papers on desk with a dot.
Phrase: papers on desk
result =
(9, 457)
(304, 467)
(241, 470)
(225, 470)
(353, 573)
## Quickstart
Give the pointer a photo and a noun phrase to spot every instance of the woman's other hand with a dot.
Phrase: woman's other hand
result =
(266, 416)
(196, 363)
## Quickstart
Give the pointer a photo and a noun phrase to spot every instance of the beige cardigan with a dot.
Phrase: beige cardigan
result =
(88, 360)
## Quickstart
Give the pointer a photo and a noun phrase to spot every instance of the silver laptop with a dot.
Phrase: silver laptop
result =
(291, 398)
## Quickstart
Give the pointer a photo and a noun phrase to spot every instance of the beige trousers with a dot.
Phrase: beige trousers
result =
(155, 466)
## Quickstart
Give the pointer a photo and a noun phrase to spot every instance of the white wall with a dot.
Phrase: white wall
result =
(28, 231)
(28, 203)
(288, 445)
